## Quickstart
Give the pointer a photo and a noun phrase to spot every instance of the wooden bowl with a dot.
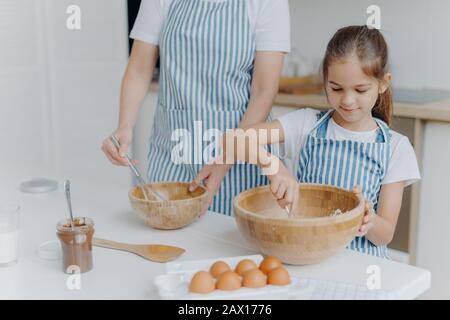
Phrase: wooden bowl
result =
(312, 234)
(181, 208)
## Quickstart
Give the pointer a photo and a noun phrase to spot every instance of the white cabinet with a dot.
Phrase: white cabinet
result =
(433, 251)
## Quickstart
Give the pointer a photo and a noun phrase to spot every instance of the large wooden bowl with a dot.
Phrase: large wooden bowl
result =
(181, 208)
(312, 234)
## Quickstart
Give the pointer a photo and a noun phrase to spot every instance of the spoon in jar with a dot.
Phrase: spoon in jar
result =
(69, 203)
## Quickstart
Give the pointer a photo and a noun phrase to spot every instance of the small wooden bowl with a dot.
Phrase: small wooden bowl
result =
(312, 234)
(181, 208)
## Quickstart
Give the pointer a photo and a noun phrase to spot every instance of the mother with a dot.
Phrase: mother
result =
(220, 63)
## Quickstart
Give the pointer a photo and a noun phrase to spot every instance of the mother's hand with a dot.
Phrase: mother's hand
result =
(213, 175)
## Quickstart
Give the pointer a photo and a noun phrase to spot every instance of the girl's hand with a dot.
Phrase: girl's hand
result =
(369, 216)
(117, 157)
(285, 188)
(213, 175)
(368, 220)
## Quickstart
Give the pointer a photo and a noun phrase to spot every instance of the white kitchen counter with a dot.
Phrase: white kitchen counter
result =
(122, 275)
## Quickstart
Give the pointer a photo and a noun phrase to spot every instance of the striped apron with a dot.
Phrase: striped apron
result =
(345, 164)
(207, 52)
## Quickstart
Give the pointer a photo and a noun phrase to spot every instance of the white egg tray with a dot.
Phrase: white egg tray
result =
(174, 285)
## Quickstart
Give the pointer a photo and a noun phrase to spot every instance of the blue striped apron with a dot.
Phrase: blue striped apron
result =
(346, 163)
(207, 51)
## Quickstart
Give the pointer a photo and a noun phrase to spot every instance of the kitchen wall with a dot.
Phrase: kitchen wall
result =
(417, 33)
(59, 88)
(433, 252)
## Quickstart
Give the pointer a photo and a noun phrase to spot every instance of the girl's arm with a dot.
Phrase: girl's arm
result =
(382, 228)
(266, 74)
(246, 144)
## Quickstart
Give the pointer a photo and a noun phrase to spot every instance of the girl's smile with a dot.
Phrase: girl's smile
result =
(348, 110)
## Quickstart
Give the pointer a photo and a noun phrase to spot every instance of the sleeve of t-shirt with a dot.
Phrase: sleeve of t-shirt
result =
(149, 20)
(296, 126)
(272, 28)
(403, 164)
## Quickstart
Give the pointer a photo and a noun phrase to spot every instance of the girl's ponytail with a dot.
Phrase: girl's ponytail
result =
(383, 108)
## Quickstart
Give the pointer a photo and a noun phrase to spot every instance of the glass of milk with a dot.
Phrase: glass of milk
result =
(9, 234)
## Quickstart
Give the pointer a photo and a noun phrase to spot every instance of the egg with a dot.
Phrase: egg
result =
(229, 280)
(254, 278)
(202, 282)
(245, 265)
(269, 263)
(278, 277)
(218, 268)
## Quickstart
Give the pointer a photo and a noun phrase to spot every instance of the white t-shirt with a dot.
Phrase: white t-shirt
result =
(298, 124)
(269, 19)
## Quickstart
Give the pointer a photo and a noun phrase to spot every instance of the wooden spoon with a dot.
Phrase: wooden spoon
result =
(152, 252)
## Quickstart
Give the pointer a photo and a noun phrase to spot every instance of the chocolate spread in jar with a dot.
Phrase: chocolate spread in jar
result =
(76, 244)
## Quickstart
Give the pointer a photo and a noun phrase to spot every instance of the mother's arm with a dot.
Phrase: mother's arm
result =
(135, 84)
(266, 77)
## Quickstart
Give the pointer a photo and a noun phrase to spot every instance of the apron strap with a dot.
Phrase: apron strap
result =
(322, 124)
(384, 134)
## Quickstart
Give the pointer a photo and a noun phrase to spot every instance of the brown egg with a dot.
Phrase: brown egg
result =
(202, 282)
(245, 265)
(254, 278)
(229, 280)
(218, 268)
(278, 277)
(269, 263)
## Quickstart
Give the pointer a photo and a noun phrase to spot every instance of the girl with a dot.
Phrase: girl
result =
(351, 144)
(220, 63)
